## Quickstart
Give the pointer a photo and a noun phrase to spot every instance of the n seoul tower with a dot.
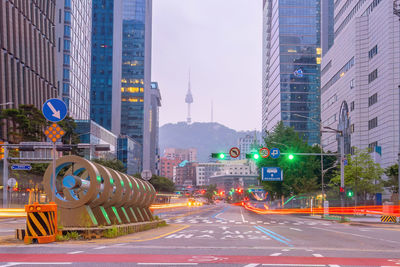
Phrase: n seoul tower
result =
(189, 100)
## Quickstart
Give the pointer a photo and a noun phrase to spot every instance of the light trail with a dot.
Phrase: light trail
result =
(359, 210)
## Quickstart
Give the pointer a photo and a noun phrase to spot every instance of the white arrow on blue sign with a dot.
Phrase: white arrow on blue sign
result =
(271, 174)
(54, 110)
(275, 153)
(21, 167)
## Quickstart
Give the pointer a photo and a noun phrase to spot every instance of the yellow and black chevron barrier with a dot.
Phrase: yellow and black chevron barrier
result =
(385, 218)
(41, 223)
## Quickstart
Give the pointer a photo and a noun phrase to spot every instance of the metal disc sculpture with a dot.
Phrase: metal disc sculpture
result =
(89, 194)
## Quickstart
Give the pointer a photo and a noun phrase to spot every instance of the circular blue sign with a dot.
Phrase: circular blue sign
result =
(274, 153)
(54, 110)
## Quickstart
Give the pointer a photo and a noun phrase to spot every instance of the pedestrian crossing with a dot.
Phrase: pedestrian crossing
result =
(208, 220)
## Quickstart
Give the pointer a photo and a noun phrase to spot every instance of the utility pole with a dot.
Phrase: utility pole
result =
(342, 171)
(396, 11)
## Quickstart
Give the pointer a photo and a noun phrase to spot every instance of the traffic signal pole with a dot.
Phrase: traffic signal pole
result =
(5, 176)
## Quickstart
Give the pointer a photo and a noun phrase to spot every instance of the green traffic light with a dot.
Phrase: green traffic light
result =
(291, 156)
(350, 193)
(221, 156)
(256, 156)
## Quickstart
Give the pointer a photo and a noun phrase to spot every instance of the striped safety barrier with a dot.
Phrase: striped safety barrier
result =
(41, 223)
(389, 219)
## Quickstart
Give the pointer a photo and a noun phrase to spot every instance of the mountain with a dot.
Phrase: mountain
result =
(205, 136)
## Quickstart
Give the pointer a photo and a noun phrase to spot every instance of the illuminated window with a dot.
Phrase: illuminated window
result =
(122, 90)
(318, 60)
(123, 81)
(319, 50)
(141, 89)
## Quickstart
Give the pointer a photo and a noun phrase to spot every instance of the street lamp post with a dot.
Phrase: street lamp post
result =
(322, 156)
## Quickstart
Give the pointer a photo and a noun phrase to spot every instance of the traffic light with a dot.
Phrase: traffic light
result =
(349, 193)
(218, 155)
(341, 189)
(254, 156)
(291, 156)
(1, 150)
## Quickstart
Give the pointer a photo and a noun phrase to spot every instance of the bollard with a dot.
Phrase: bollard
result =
(91, 195)
(41, 223)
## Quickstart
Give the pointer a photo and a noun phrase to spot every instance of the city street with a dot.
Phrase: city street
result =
(226, 235)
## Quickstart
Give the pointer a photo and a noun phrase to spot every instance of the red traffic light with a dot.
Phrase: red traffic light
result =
(341, 190)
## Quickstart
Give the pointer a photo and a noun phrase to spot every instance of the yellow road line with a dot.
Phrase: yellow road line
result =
(160, 236)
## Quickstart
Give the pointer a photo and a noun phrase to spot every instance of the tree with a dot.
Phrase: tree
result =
(27, 123)
(210, 193)
(114, 164)
(302, 173)
(392, 172)
(162, 184)
(361, 174)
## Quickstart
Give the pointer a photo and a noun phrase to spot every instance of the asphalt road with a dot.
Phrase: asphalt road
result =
(223, 235)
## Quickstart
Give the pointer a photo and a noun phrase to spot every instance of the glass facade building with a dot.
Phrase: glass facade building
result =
(73, 37)
(291, 66)
(129, 153)
(105, 92)
(133, 68)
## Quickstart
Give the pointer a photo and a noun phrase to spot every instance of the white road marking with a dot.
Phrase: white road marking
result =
(238, 222)
(296, 229)
(252, 223)
(275, 254)
(8, 264)
(252, 265)
(75, 252)
(231, 221)
(241, 213)
(285, 249)
(266, 222)
(166, 263)
(102, 247)
(259, 221)
(289, 264)
(333, 265)
(318, 255)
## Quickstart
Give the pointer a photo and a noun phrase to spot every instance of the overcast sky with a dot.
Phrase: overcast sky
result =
(220, 41)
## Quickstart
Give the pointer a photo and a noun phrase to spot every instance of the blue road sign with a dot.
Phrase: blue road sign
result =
(271, 174)
(21, 167)
(274, 153)
(54, 110)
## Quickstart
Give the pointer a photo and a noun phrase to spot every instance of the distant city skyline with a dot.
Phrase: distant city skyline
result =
(221, 43)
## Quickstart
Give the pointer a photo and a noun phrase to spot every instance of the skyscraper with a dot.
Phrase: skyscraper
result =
(136, 74)
(26, 54)
(73, 58)
(291, 70)
(105, 91)
(327, 21)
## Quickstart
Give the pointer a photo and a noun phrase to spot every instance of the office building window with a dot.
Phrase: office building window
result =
(373, 52)
(352, 128)
(372, 146)
(373, 123)
(352, 83)
(352, 106)
(372, 76)
(372, 99)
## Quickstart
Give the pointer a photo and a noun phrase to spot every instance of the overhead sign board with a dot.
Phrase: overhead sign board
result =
(54, 110)
(234, 152)
(271, 174)
(21, 167)
(275, 153)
